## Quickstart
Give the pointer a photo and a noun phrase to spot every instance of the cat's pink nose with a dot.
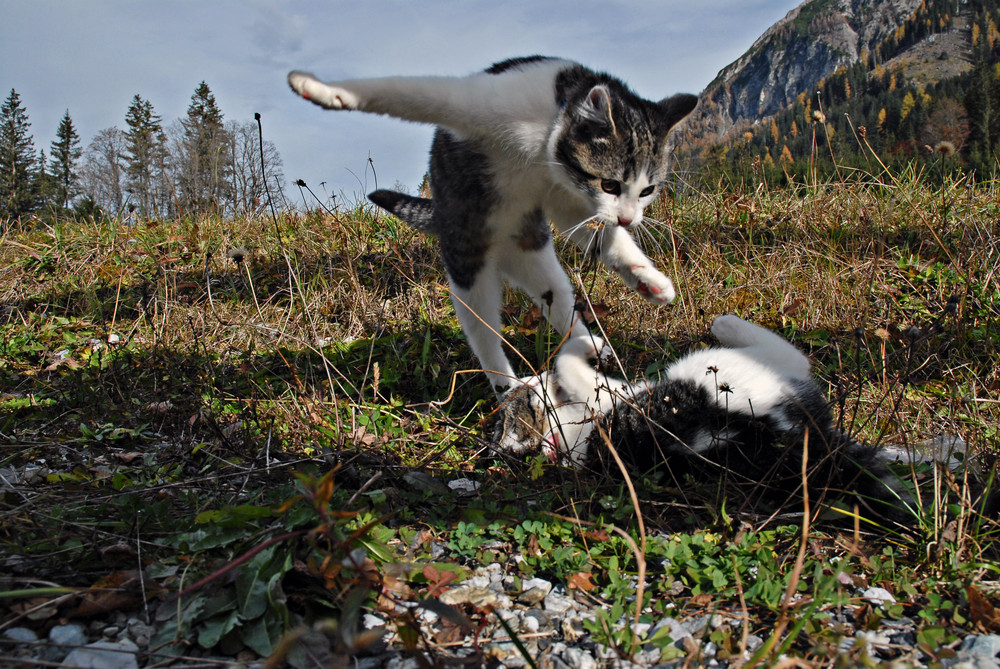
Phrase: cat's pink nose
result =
(624, 222)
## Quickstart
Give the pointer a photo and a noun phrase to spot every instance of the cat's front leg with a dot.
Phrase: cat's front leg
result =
(324, 95)
(623, 256)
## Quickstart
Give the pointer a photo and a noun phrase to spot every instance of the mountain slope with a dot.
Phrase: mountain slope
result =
(889, 64)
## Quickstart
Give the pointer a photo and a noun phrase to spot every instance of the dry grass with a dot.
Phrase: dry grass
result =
(222, 353)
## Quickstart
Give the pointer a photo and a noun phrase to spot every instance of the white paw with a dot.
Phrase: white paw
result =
(588, 347)
(730, 329)
(648, 282)
(324, 95)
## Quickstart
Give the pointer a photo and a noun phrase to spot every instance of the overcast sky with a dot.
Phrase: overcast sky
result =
(92, 56)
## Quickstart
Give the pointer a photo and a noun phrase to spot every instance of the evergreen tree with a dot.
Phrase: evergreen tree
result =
(18, 174)
(982, 104)
(44, 183)
(146, 156)
(204, 154)
(62, 167)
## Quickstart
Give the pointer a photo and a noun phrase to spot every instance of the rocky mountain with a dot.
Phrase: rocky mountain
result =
(898, 44)
(810, 43)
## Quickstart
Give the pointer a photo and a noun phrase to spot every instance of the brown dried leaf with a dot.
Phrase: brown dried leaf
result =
(704, 599)
(120, 553)
(594, 312)
(118, 591)
(982, 612)
(581, 581)
(793, 306)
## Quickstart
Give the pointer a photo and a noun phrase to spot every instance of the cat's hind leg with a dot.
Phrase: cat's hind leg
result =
(734, 332)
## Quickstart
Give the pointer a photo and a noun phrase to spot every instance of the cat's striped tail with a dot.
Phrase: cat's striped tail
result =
(418, 212)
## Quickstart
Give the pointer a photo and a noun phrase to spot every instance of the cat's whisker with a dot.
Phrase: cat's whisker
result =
(645, 238)
(663, 226)
(587, 243)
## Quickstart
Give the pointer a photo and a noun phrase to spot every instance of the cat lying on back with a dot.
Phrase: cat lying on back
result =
(744, 409)
(527, 141)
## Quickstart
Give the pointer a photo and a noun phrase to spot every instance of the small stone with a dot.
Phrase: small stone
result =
(68, 635)
(463, 486)
(104, 655)
(508, 653)
(878, 596)
(542, 617)
(982, 645)
(477, 596)
(139, 632)
(478, 580)
(534, 591)
(670, 626)
(369, 621)
(647, 657)
(572, 628)
(496, 573)
(427, 616)
(402, 663)
(110, 632)
(558, 603)
(20, 634)
(580, 659)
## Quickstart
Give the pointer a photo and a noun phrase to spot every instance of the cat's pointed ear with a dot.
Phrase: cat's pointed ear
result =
(596, 106)
(677, 107)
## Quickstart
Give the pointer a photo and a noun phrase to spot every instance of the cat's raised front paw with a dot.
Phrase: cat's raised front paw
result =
(648, 282)
(325, 95)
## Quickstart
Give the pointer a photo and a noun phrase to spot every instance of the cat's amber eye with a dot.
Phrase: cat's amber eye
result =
(611, 187)
(648, 190)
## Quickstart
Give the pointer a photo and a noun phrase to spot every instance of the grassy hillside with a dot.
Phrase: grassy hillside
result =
(180, 394)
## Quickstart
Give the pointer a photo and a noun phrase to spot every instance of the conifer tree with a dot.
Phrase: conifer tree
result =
(204, 154)
(18, 173)
(146, 156)
(65, 152)
(982, 104)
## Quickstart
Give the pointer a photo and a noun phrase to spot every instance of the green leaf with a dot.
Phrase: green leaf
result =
(213, 629)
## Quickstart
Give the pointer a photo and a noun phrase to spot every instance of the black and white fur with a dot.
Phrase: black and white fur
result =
(742, 411)
(527, 141)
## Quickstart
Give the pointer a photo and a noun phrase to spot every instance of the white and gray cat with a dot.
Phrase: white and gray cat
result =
(527, 141)
(742, 411)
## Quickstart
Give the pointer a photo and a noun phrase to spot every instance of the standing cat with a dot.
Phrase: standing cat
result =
(742, 410)
(526, 141)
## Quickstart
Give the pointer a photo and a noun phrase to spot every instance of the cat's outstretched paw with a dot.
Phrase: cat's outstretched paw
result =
(648, 282)
(324, 95)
